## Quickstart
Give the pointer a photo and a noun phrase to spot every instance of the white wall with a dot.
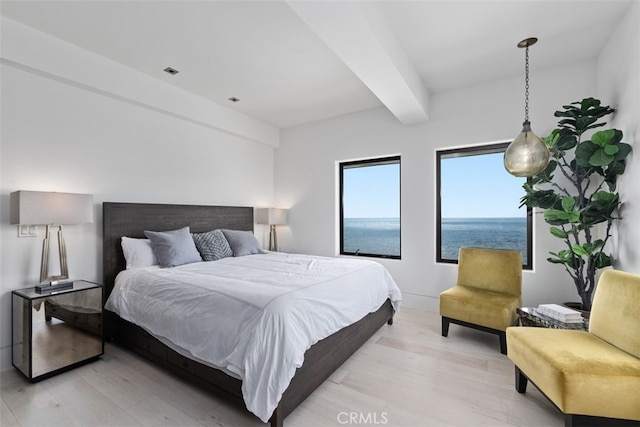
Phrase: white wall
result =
(306, 176)
(619, 85)
(59, 134)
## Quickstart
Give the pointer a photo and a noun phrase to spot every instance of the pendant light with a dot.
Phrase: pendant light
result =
(527, 155)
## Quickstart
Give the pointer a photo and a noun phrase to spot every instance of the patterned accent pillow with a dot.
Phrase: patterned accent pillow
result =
(212, 245)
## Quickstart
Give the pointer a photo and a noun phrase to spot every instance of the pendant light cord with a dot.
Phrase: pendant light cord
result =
(526, 85)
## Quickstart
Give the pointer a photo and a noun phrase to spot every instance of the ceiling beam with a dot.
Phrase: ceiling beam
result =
(359, 34)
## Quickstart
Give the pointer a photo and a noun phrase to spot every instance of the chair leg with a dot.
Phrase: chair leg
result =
(445, 326)
(569, 421)
(503, 342)
(521, 381)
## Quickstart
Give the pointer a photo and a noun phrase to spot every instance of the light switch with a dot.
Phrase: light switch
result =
(25, 230)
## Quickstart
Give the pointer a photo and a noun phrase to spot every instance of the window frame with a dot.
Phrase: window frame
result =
(464, 152)
(395, 159)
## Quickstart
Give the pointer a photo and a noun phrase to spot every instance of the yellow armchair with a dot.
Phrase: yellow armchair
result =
(487, 292)
(592, 377)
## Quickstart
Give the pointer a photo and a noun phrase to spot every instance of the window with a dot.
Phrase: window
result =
(370, 207)
(477, 204)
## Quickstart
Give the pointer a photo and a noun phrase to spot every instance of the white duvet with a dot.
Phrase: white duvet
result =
(253, 316)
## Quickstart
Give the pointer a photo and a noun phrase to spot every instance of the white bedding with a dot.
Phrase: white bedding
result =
(253, 316)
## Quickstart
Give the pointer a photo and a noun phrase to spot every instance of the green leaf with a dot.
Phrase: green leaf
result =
(588, 103)
(597, 244)
(600, 158)
(611, 173)
(553, 215)
(562, 257)
(568, 203)
(603, 260)
(561, 217)
(623, 151)
(566, 140)
(569, 112)
(602, 138)
(611, 149)
(603, 198)
(579, 250)
(544, 199)
(578, 117)
(583, 153)
(584, 122)
(558, 232)
(600, 209)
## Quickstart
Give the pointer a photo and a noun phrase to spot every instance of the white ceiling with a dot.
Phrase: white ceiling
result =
(300, 61)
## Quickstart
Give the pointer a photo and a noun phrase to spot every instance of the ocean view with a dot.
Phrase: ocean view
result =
(496, 233)
(381, 236)
(377, 236)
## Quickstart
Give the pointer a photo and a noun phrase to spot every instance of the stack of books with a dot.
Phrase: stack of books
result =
(561, 313)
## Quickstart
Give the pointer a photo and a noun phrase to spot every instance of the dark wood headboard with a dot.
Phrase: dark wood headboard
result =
(131, 219)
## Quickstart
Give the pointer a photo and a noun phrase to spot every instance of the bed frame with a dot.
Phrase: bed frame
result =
(90, 322)
(320, 361)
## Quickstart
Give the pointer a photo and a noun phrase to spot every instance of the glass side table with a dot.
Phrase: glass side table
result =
(530, 316)
(57, 331)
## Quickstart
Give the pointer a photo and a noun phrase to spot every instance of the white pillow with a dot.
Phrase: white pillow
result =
(138, 253)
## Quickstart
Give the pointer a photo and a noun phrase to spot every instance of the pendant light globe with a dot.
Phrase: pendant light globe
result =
(527, 155)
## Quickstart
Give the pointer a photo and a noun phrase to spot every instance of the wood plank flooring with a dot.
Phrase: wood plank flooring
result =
(405, 375)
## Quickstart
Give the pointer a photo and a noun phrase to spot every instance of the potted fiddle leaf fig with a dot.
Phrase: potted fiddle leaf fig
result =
(577, 191)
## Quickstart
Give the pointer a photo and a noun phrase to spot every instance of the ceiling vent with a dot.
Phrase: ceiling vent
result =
(171, 71)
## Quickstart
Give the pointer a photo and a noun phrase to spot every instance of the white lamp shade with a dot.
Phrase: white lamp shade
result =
(42, 207)
(271, 216)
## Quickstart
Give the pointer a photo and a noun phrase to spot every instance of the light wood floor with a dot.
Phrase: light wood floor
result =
(406, 375)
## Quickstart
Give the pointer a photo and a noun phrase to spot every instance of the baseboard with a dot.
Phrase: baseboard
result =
(5, 358)
(420, 302)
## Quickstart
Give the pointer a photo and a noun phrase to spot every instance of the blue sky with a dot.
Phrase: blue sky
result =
(480, 187)
(372, 192)
(472, 187)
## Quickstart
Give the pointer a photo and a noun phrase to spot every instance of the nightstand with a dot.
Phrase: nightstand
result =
(57, 331)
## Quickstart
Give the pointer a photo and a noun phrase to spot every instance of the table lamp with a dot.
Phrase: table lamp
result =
(53, 210)
(273, 217)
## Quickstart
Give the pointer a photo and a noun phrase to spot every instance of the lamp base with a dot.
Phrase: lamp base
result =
(273, 238)
(53, 287)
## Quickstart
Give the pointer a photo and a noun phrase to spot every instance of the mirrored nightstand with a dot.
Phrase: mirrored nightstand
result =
(54, 332)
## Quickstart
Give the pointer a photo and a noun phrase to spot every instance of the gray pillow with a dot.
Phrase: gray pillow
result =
(174, 247)
(242, 242)
(212, 245)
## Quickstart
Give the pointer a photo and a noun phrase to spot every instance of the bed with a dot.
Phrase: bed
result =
(320, 360)
(77, 310)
